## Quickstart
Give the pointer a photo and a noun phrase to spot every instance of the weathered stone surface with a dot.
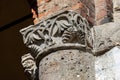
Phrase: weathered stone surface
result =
(106, 36)
(107, 66)
(117, 16)
(67, 65)
(116, 5)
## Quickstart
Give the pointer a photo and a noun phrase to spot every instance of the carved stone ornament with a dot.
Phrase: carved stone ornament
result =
(66, 30)
(29, 66)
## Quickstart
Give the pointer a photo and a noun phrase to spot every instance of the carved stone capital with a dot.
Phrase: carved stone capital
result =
(65, 31)
(66, 27)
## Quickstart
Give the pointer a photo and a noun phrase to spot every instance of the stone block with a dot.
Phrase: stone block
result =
(107, 66)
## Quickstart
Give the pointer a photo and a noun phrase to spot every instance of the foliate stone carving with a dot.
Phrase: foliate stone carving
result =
(66, 27)
(66, 30)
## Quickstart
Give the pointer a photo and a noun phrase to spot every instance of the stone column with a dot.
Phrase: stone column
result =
(67, 65)
(60, 48)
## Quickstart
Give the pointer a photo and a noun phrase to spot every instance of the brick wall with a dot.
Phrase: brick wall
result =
(43, 9)
(95, 11)
(103, 11)
(90, 4)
